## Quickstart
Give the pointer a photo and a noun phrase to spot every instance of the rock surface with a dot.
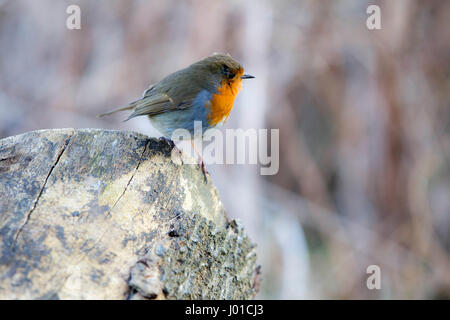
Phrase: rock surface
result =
(96, 214)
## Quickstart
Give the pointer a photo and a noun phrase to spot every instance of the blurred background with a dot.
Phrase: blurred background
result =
(364, 120)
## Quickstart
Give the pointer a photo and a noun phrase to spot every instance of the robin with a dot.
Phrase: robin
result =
(204, 91)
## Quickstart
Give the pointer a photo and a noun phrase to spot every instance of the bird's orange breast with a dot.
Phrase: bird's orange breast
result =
(222, 102)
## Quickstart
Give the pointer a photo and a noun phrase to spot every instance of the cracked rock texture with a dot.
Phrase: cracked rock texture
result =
(97, 214)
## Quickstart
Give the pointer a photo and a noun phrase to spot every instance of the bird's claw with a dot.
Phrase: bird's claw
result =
(205, 173)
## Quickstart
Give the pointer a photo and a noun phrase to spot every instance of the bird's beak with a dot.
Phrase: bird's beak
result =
(247, 76)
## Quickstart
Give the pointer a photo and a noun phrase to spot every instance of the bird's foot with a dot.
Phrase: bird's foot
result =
(205, 173)
(200, 162)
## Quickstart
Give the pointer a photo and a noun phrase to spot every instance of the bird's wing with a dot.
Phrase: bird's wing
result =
(149, 104)
(148, 91)
(165, 96)
(152, 104)
(130, 106)
(155, 102)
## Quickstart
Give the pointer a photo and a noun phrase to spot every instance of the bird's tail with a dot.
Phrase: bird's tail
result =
(128, 107)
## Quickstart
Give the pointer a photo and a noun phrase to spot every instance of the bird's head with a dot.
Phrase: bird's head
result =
(225, 68)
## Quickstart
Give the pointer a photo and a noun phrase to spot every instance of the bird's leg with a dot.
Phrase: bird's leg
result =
(201, 164)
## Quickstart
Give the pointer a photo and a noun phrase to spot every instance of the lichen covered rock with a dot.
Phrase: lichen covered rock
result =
(108, 215)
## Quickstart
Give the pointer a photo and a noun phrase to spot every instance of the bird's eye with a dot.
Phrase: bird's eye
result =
(227, 72)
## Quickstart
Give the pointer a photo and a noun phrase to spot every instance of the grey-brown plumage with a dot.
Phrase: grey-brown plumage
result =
(178, 90)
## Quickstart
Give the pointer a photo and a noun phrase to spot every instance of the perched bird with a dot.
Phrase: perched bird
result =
(204, 91)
